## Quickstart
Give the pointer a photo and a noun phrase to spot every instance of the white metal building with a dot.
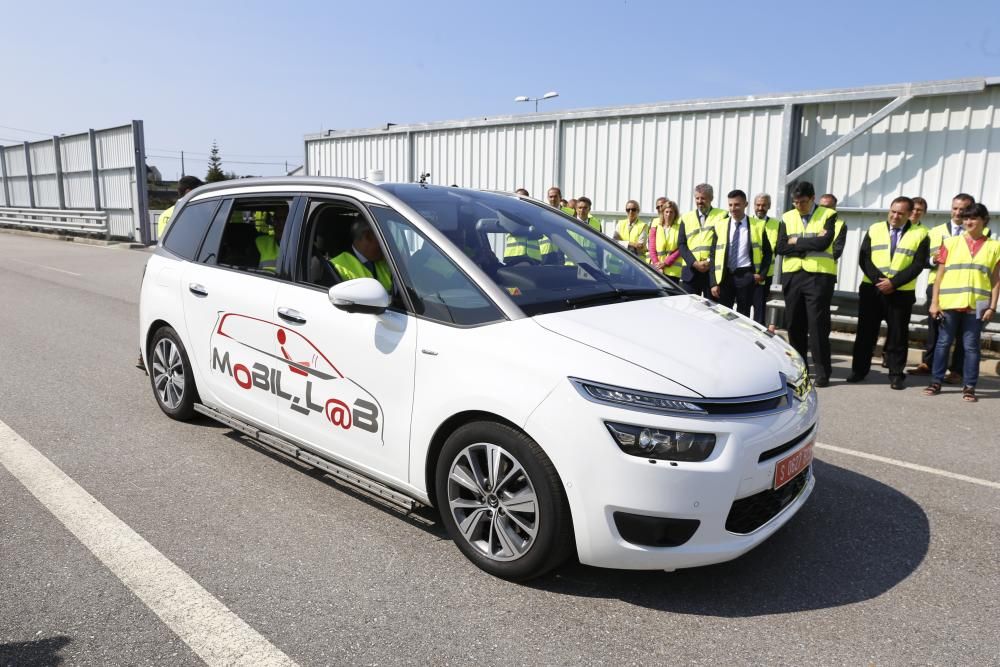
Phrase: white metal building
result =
(865, 145)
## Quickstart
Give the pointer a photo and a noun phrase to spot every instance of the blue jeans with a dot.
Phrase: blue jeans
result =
(952, 325)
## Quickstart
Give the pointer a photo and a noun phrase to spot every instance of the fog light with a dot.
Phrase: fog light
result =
(661, 444)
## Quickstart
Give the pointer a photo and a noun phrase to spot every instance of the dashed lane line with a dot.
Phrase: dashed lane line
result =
(215, 633)
(911, 466)
(44, 266)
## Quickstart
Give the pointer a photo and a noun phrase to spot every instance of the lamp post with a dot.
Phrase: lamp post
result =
(547, 96)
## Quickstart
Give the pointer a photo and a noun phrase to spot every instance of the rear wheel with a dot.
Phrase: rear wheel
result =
(170, 375)
(502, 501)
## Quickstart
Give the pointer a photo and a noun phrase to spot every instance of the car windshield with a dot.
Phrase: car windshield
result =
(546, 261)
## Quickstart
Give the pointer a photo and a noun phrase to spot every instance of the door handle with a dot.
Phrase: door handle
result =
(197, 290)
(293, 316)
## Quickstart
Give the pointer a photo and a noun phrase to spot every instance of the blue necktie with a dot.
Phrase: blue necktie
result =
(893, 240)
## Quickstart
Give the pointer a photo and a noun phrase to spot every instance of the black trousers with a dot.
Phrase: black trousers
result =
(957, 354)
(873, 308)
(761, 293)
(698, 284)
(807, 316)
(737, 287)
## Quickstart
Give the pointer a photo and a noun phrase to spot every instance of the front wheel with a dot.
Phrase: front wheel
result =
(171, 376)
(502, 501)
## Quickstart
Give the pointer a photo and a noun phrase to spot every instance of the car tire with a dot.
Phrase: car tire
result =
(170, 375)
(510, 518)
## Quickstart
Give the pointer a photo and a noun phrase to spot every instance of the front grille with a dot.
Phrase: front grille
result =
(781, 449)
(750, 513)
(751, 405)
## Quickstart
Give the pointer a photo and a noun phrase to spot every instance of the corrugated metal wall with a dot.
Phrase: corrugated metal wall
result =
(933, 146)
(119, 170)
(612, 160)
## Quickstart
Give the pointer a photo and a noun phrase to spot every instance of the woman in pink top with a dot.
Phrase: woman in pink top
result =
(663, 253)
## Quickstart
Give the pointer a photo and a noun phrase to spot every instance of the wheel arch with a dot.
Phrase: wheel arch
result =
(441, 435)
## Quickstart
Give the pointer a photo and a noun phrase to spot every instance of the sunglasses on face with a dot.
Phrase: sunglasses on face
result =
(631, 210)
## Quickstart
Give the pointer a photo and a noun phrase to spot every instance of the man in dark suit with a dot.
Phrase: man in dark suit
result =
(892, 256)
(741, 255)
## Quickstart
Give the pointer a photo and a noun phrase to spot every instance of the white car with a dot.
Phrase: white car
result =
(544, 389)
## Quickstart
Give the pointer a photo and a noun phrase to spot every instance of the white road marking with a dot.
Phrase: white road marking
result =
(215, 633)
(44, 266)
(911, 466)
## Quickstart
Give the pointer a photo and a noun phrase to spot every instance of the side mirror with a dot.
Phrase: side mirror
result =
(361, 295)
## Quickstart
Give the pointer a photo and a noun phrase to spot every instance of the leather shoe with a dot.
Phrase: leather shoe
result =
(898, 383)
(953, 378)
(920, 369)
(855, 377)
(822, 382)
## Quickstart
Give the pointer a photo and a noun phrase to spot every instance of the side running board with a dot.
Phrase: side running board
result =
(351, 477)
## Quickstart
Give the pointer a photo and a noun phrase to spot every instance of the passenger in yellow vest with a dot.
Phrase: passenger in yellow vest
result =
(740, 256)
(184, 186)
(632, 233)
(583, 205)
(893, 254)
(695, 239)
(664, 255)
(364, 259)
(937, 235)
(810, 241)
(268, 245)
(965, 296)
(762, 292)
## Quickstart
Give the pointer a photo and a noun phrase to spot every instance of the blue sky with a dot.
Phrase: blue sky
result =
(258, 76)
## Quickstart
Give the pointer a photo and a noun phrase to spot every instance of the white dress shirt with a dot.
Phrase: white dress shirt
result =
(739, 243)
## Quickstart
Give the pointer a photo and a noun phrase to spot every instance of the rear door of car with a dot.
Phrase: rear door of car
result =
(228, 305)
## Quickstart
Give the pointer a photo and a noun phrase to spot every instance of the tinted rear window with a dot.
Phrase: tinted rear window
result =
(186, 231)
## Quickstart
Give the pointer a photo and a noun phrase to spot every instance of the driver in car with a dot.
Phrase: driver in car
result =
(365, 258)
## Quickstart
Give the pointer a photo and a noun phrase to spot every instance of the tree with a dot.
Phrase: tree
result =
(215, 172)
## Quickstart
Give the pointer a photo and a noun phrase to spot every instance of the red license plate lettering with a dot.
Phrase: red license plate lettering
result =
(792, 465)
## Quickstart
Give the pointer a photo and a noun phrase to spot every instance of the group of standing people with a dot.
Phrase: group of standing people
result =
(730, 256)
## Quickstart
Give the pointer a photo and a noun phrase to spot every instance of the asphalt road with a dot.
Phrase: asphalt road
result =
(886, 565)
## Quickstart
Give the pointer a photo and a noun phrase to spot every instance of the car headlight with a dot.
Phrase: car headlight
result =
(662, 444)
(801, 384)
(630, 398)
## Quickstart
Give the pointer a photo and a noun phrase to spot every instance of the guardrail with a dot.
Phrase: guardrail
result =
(57, 219)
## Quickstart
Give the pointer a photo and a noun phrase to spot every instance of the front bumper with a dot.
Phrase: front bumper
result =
(600, 480)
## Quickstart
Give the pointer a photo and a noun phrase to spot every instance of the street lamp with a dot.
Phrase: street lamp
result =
(547, 96)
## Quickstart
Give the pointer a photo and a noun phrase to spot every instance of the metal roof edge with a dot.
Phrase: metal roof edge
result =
(944, 87)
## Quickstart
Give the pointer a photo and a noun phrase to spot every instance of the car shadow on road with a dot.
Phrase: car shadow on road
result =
(855, 539)
(36, 653)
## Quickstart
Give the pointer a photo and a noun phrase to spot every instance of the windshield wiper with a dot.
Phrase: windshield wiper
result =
(612, 296)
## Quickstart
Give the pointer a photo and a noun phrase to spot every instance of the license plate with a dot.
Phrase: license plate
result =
(792, 465)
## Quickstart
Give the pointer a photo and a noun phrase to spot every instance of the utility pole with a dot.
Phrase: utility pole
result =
(182, 164)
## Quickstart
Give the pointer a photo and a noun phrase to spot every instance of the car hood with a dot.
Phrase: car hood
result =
(707, 348)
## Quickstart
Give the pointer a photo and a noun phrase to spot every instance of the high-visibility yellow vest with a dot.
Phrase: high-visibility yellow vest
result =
(350, 267)
(756, 245)
(517, 246)
(666, 243)
(771, 232)
(268, 249)
(163, 221)
(635, 232)
(815, 261)
(906, 248)
(567, 210)
(589, 246)
(700, 237)
(937, 236)
(967, 279)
